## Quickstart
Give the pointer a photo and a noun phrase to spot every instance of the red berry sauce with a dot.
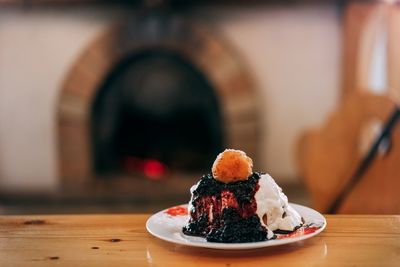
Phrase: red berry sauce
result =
(177, 211)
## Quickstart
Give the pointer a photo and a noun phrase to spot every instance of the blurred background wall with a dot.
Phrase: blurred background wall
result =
(292, 52)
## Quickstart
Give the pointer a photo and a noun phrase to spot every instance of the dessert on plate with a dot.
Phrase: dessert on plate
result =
(233, 204)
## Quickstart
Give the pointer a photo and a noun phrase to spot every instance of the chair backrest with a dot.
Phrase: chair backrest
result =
(364, 26)
(329, 157)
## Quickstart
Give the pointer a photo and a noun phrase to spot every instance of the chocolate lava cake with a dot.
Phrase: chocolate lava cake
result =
(228, 205)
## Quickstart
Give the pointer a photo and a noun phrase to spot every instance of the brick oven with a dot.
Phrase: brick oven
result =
(148, 105)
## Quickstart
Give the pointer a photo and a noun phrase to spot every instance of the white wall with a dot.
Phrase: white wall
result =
(293, 54)
(37, 48)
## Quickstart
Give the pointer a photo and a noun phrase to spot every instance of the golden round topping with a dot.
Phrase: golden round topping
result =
(231, 166)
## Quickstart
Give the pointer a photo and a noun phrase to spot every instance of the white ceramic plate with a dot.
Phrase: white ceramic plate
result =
(169, 228)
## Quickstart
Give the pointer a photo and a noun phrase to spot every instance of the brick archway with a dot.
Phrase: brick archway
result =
(235, 90)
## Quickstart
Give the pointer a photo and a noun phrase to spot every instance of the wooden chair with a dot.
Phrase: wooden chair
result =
(329, 157)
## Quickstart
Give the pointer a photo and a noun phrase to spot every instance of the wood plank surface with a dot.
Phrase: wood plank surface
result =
(122, 240)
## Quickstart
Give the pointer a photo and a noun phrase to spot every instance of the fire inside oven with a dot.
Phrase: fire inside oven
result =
(154, 114)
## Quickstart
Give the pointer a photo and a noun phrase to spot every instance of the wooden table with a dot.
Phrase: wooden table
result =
(122, 240)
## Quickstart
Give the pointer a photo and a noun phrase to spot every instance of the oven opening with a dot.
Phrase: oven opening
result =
(155, 114)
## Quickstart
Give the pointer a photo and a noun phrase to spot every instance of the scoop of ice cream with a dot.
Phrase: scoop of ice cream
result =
(273, 208)
(231, 166)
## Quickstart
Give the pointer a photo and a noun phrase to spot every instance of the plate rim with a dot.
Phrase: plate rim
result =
(237, 246)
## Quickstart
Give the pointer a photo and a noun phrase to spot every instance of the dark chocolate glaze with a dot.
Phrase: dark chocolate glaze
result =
(233, 210)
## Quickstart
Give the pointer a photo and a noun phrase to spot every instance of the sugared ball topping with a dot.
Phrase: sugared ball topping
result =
(231, 166)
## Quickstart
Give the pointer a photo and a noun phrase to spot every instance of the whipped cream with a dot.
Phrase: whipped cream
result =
(190, 206)
(273, 203)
